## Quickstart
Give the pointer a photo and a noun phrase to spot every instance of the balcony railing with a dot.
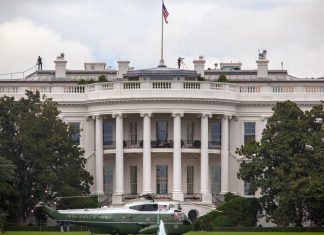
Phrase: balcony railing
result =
(109, 145)
(138, 144)
(162, 144)
(214, 145)
(191, 144)
(170, 89)
(133, 144)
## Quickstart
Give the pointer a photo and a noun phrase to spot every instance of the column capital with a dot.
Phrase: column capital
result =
(264, 118)
(116, 115)
(97, 117)
(146, 114)
(89, 118)
(206, 115)
(227, 116)
(177, 114)
(235, 118)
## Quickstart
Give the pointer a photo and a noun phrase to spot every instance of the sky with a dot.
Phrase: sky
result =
(292, 31)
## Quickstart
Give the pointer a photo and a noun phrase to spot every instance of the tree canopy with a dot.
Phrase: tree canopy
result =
(222, 78)
(38, 143)
(287, 165)
(235, 211)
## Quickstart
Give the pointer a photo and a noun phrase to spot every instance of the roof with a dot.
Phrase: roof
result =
(162, 71)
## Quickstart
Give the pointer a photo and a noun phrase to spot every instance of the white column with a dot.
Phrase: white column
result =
(204, 160)
(177, 193)
(224, 156)
(147, 152)
(99, 155)
(119, 187)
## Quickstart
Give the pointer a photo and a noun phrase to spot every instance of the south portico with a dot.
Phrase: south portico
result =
(149, 150)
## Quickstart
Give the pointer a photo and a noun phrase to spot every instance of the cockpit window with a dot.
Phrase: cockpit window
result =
(178, 216)
(145, 207)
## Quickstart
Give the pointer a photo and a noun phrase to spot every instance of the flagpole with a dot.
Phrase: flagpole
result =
(162, 60)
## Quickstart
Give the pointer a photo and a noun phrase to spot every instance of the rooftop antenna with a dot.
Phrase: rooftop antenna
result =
(281, 65)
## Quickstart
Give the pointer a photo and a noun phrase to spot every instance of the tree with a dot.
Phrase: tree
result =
(287, 165)
(46, 159)
(7, 193)
(102, 78)
(222, 78)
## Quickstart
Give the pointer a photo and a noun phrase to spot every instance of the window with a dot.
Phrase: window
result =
(107, 133)
(215, 133)
(75, 132)
(161, 130)
(248, 189)
(249, 132)
(190, 179)
(133, 132)
(216, 179)
(161, 179)
(133, 180)
(190, 132)
(108, 180)
(145, 207)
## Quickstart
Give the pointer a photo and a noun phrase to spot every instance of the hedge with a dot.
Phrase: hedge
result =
(44, 228)
(268, 229)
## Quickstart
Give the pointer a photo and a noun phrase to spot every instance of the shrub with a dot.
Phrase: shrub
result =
(201, 79)
(102, 78)
(205, 222)
(242, 211)
(222, 221)
(222, 78)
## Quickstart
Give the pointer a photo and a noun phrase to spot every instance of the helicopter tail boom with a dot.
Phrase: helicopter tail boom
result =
(54, 214)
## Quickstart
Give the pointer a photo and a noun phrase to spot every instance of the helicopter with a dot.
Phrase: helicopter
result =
(142, 217)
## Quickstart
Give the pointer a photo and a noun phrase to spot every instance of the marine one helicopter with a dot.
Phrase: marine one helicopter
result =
(142, 217)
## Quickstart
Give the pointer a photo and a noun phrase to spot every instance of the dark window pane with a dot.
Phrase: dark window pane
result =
(216, 133)
(107, 133)
(161, 179)
(75, 131)
(249, 132)
(133, 180)
(161, 130)
(190, 179)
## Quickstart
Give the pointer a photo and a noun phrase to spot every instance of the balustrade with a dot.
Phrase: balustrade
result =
(74, 89)
(161, 85)
(211, 89)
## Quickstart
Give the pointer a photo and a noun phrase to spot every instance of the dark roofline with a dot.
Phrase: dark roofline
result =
(242, 72)
(161, 72)
(51, 72)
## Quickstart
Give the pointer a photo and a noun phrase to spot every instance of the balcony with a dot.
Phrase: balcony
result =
(138, 144)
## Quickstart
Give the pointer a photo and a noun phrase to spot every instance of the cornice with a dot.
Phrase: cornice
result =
(183, 101)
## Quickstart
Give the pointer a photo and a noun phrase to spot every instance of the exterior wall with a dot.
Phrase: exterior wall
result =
(240, 103)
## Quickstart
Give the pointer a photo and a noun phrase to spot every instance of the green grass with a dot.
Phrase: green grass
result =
(190, 233)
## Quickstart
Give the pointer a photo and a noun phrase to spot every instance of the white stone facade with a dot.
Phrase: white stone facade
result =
(174, 138)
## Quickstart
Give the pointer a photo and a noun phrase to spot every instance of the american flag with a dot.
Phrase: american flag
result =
(165, 13)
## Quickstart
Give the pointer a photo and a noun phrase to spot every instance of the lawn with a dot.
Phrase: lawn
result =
(190, 233)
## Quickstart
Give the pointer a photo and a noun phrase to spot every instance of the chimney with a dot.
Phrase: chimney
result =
(60, 67)
(123, 67)
(199, 66)
(262, 65)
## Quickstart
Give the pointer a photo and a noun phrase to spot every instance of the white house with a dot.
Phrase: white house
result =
(163, 130)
